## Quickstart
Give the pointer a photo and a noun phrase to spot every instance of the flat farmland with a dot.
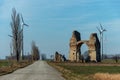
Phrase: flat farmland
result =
(89, 71)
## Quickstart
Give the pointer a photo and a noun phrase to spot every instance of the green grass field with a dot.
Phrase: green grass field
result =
(87, 70)
(4, 63)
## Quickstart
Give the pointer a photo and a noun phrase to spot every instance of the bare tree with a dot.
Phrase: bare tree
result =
(116, 58)
(16, 33)
(35, 52)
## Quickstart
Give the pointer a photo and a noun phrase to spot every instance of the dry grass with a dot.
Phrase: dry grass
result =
(13, 66)
(106, 76)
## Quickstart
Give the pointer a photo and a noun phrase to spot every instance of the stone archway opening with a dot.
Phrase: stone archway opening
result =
(84, 52)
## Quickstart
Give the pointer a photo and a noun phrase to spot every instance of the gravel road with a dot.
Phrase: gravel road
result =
(39, 70)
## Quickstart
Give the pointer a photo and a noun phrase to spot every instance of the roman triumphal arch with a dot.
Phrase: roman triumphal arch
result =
(93, 47)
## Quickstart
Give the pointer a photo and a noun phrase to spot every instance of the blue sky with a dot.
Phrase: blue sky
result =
(52, 22)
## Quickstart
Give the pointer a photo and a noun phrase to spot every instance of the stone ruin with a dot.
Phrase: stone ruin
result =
(59, 57)
(93, 45)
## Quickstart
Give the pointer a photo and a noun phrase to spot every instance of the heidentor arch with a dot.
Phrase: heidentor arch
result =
(93, 47)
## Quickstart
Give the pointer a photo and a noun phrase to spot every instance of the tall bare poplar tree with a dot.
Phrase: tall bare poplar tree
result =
(16, 33)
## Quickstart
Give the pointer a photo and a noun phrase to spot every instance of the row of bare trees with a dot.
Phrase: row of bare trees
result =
(17, 38)
(35, 52)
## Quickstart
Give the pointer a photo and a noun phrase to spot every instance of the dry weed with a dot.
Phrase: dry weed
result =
(106, 76)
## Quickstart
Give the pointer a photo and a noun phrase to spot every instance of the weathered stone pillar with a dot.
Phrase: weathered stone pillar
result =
(74, 54)
(94, 48)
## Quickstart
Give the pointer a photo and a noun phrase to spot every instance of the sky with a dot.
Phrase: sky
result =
(51, 23)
